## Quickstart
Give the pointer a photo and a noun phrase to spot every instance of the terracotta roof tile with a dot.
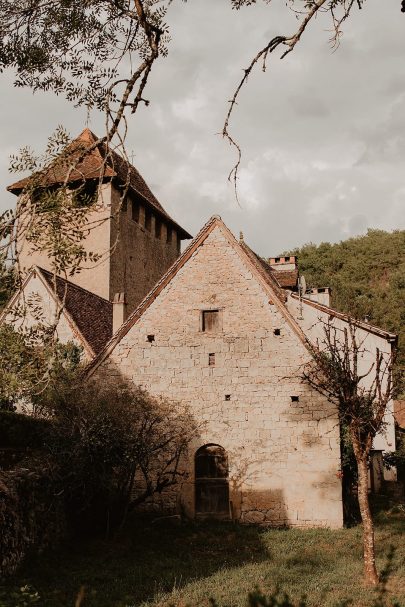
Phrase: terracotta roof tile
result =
(92, 314)
(94, 165)
(286, 278)
(399, 412)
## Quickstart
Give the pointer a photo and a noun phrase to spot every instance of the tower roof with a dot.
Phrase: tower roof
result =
(99, 163)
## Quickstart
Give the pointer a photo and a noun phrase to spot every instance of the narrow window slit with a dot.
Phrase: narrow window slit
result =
(211, 359)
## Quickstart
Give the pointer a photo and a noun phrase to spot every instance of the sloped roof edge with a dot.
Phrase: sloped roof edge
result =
(391, 337)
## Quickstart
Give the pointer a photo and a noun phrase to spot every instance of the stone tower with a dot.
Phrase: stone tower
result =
(136, 240)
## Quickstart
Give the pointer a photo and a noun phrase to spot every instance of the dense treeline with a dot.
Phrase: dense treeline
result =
(366, 274)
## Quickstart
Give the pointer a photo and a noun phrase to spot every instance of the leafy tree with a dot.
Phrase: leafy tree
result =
(32, 364)
(7, 282)
(361, 399)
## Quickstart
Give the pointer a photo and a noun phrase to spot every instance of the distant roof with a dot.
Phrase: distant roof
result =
(92, 314)
(399, 412)
(94, 165)
(286, 278)
(391, 337)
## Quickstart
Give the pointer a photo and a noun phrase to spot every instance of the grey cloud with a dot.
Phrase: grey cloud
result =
(321, 132)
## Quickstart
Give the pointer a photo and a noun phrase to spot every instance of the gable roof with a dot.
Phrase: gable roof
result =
(98, 163)
(90, 316)
(276, 294)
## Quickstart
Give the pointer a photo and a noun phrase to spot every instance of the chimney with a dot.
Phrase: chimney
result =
(288, 262)
(119, 311)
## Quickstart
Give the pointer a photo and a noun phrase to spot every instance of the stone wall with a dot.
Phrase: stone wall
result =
(284, 454)
(140, 254)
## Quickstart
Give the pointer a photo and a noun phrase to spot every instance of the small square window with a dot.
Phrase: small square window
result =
(211, 359)
(210, 320)
(295, 399)
(227, 397)
(277, 331)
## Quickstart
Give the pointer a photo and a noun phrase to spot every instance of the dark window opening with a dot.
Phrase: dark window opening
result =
(135, 209)
(169, 234)
(211, 359)
(287, 258)
(148, 219)
(227, 397)
(85, 194)
(210, 320)
(277, 331)
(277, 259)
(158, 228)
(211, 481)
(321, 290)
(295, 399)
(150, 338)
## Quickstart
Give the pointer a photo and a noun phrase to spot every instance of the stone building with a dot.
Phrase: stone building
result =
(135, 238)
(220, 330)
(219, 333)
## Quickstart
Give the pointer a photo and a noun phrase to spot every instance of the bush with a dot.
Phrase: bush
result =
(115, 446)
(22, 431)
(31, 516)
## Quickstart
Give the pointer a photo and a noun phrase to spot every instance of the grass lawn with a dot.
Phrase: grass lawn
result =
(162, 564)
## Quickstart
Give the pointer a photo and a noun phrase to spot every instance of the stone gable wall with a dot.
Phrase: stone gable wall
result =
(284, 456)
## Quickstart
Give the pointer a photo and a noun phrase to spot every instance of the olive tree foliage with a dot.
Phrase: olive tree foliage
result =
(100, 53)
(32, 364)
(51, 219)
(361, 384)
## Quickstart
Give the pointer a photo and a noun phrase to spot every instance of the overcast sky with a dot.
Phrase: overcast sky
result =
(322, 132)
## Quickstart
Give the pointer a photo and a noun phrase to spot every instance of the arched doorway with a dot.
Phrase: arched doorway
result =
(211, 481)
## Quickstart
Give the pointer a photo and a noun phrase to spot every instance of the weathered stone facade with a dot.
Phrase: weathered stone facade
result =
(132, 256)
(241, 380)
